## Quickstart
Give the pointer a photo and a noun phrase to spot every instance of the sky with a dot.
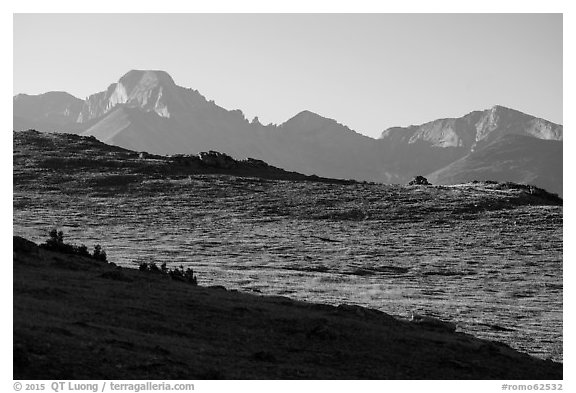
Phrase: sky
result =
(367, 71)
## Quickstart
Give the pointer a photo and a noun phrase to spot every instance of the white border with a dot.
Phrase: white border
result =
(421, 6)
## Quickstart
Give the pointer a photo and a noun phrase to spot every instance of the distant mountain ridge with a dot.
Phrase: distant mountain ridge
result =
(146, 110)
(427, 148)
(55, 106)
(477, 128)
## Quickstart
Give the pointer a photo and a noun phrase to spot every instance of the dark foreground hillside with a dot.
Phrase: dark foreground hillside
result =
(78, 318)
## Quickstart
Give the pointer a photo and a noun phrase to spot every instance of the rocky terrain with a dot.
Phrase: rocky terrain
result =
(486, 256)
(146, 110)
(78, 318)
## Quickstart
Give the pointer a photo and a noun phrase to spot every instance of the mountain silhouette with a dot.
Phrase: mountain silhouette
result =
(145, 110)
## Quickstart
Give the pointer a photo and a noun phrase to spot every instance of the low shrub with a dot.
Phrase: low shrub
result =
(177, 274)
(99, 253)
(153, 268)
(82, 250)
(55, 242)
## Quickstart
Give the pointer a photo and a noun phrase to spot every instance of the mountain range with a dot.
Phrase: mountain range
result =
(147, 111)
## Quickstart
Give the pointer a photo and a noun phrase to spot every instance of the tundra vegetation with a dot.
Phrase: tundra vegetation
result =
(485, 255)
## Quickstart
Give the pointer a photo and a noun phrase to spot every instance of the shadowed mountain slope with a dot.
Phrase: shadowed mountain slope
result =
(517, 158)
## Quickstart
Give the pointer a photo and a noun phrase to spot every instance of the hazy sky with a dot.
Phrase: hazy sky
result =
(368, 71)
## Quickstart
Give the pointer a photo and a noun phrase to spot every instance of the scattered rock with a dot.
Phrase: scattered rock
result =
(255, 163)
(419, 181)
(216, 159)
(186, 160)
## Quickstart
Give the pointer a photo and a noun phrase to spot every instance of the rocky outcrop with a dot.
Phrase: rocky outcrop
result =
(419, 181)
(216, 159)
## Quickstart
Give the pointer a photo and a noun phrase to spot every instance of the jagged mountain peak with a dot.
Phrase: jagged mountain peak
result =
(476, 127)
(146, 79)
(148, 90)
(506, 113)
(503, 111)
